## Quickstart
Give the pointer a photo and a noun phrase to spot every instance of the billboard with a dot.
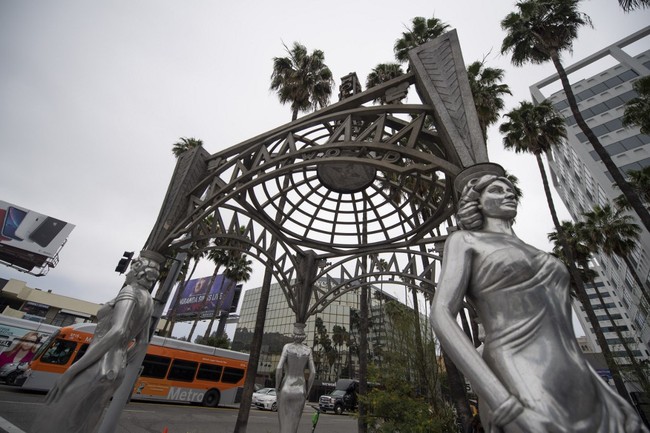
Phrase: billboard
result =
(198, 297)
(29, 238)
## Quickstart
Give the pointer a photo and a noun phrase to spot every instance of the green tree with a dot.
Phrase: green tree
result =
(539, 32)
(488, 93)
(637, 110)
(340, 336)
(214, 341)
(380, 74)
(184, 144)
(615, 234)
(630, 5)
(422, 30)
(301, 79)
(640, 181)
(399, 404)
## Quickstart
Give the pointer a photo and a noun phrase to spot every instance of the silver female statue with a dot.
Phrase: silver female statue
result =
(292, 389)
(531, 376)
(77, 400)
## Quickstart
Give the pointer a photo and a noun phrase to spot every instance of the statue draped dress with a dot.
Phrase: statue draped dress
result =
(522, 298)
(291, 396)
(81, 404)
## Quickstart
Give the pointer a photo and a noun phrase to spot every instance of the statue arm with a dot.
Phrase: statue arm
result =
(279, 368)
(312, 373)
(451, 290)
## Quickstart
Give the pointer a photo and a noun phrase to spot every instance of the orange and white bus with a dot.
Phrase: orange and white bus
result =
(172, 371)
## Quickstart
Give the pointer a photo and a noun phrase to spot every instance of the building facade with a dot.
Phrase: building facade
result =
(333, 334)
(582, 181)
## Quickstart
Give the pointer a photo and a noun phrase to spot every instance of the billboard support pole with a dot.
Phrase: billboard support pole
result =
(132, 371)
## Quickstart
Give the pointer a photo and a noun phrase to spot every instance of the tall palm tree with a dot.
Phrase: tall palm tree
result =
(615, 234)
(301, 79)
(576, 247)
(184, 144)
(640, 181)
(422, 30)
(630, 5)
(380, 74)
(535, 129)
(539, 32)
(488, 93)
(637, 110)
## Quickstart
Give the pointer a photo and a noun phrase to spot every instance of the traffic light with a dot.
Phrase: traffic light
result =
(123, 264)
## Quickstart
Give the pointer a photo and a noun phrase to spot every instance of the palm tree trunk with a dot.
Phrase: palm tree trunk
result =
(363, 358)
(633, 198)
(580, 288)
(217, 309)
(205, 301)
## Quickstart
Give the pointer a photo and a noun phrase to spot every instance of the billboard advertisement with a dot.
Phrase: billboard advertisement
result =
(199, 297)
(29, 238)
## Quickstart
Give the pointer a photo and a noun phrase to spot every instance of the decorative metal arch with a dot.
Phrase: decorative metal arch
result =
(346, 185)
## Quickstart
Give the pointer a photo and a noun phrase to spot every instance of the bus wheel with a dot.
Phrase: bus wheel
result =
(211, 398)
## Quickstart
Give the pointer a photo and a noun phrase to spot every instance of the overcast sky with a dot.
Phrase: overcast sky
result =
(94, 94)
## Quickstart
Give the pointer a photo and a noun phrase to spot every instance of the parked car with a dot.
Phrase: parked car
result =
(10, 372)
(267, 400)
(260, 392)
(344, 397)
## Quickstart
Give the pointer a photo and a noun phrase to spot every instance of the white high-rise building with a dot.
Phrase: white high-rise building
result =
(582, 180)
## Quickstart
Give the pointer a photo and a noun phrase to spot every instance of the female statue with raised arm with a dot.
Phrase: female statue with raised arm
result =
(531, 377)
(77, 400)
(292, 389)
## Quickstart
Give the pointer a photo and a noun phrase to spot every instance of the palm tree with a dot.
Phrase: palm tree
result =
(184, 144)
(640, 181)
(380, 74)
(421, 31)
(576, 247)
(637, 110)
(239, 270)
(615, 234)
(535, 129)
(630, 5)
(539, 32)
(487, 93)
(302, 79)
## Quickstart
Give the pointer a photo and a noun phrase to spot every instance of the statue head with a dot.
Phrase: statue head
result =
(474, 182)
(145, 270)
(299, 332)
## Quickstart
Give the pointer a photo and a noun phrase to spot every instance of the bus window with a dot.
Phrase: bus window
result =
(182, 370)
(59, 353)
(81, 352)
(232, 375)
(209, 372)
(155, 366)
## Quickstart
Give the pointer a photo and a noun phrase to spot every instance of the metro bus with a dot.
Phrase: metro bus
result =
(172, 371)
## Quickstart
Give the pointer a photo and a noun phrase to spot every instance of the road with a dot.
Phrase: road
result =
(18, 408)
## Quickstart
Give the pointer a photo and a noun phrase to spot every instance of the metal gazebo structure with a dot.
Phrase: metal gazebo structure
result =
(330, 194)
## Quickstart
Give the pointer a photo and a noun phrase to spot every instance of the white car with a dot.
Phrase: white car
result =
(265, 398)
